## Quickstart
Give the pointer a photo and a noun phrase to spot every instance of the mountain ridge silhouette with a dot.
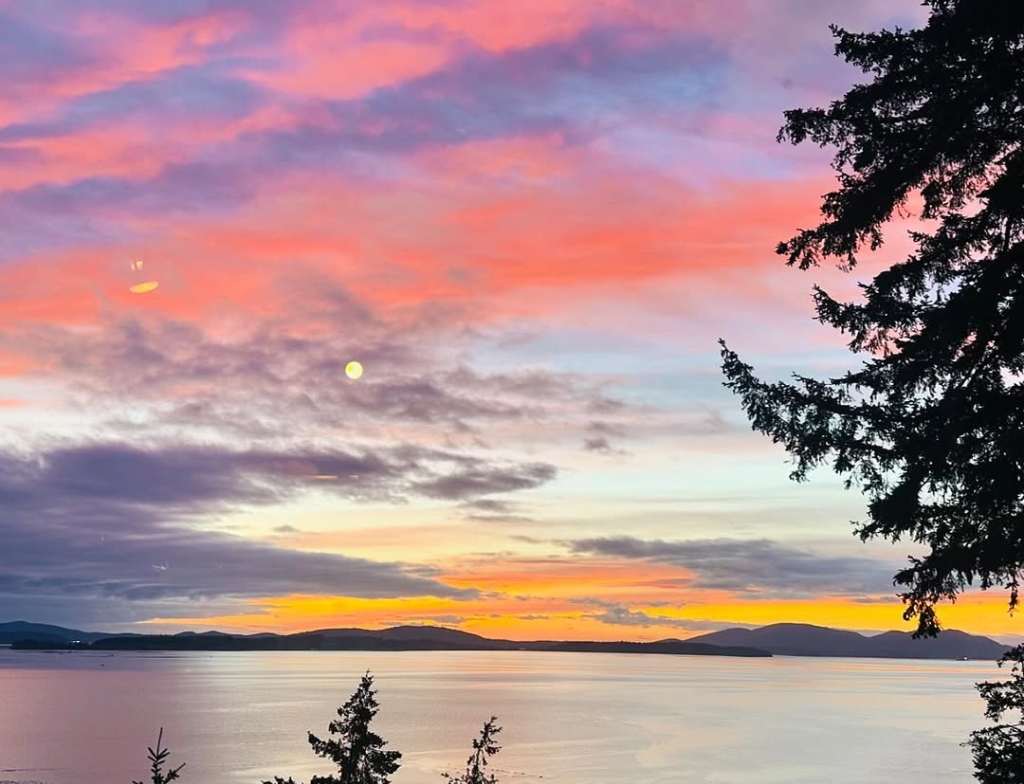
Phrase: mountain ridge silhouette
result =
(781, 639)
(802, 639)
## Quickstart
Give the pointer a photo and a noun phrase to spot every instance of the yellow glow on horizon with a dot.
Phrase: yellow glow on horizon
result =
(546, 618)
(144, 288)
(973, 613)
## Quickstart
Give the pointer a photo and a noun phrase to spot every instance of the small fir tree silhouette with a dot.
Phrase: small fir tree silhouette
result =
(358, 752)
(483, 748)
(157, 758)
(999, 751)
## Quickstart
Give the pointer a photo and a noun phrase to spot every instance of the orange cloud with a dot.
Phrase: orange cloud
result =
(560, 577)
(500, 229)
(54, 289)
(13, 365)
(479, 248)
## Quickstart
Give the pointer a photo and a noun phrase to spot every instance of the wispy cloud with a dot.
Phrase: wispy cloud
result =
(622, 616)
(89, 522)
(752, 566)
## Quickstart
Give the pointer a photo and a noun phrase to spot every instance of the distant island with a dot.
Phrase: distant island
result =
(781, 639)
(801, 639)
(28, 636)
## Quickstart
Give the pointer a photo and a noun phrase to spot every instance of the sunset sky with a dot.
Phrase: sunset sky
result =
(530, 222)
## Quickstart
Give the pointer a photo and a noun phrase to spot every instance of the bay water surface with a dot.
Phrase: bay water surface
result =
(86, 717)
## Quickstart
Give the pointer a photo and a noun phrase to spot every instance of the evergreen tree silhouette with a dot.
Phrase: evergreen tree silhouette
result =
(358, 751)
(157, 758)
(484, 747)
(931, 427)
(999, 751)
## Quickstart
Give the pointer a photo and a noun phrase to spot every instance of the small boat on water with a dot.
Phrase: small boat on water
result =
(963, 658)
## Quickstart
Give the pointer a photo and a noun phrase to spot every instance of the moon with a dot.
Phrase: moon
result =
(353, 370)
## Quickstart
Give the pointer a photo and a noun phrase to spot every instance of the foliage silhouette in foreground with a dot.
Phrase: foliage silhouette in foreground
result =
(999, 751)
(931, 427)
(157, 758)
(484, 747)
(358, 752)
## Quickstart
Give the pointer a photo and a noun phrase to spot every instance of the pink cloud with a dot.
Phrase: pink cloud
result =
(466, 238)
(122, 52)
(130, 150)
(327, 68)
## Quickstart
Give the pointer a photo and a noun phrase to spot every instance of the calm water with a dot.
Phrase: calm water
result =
(87, 718)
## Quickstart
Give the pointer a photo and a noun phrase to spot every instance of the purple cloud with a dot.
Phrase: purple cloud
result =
(107, 521)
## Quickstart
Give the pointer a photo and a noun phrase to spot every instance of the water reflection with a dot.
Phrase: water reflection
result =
(567, 717)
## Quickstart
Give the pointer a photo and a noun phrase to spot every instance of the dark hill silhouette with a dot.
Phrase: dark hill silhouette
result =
(783, 639)
(423, 635)
(793, 639)
(798, 639)
(399, 638)
(403, 633)
(21, 630)
(431, 633)
(949, 644)
(377, 641)
(203, 634)
(339, 632)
